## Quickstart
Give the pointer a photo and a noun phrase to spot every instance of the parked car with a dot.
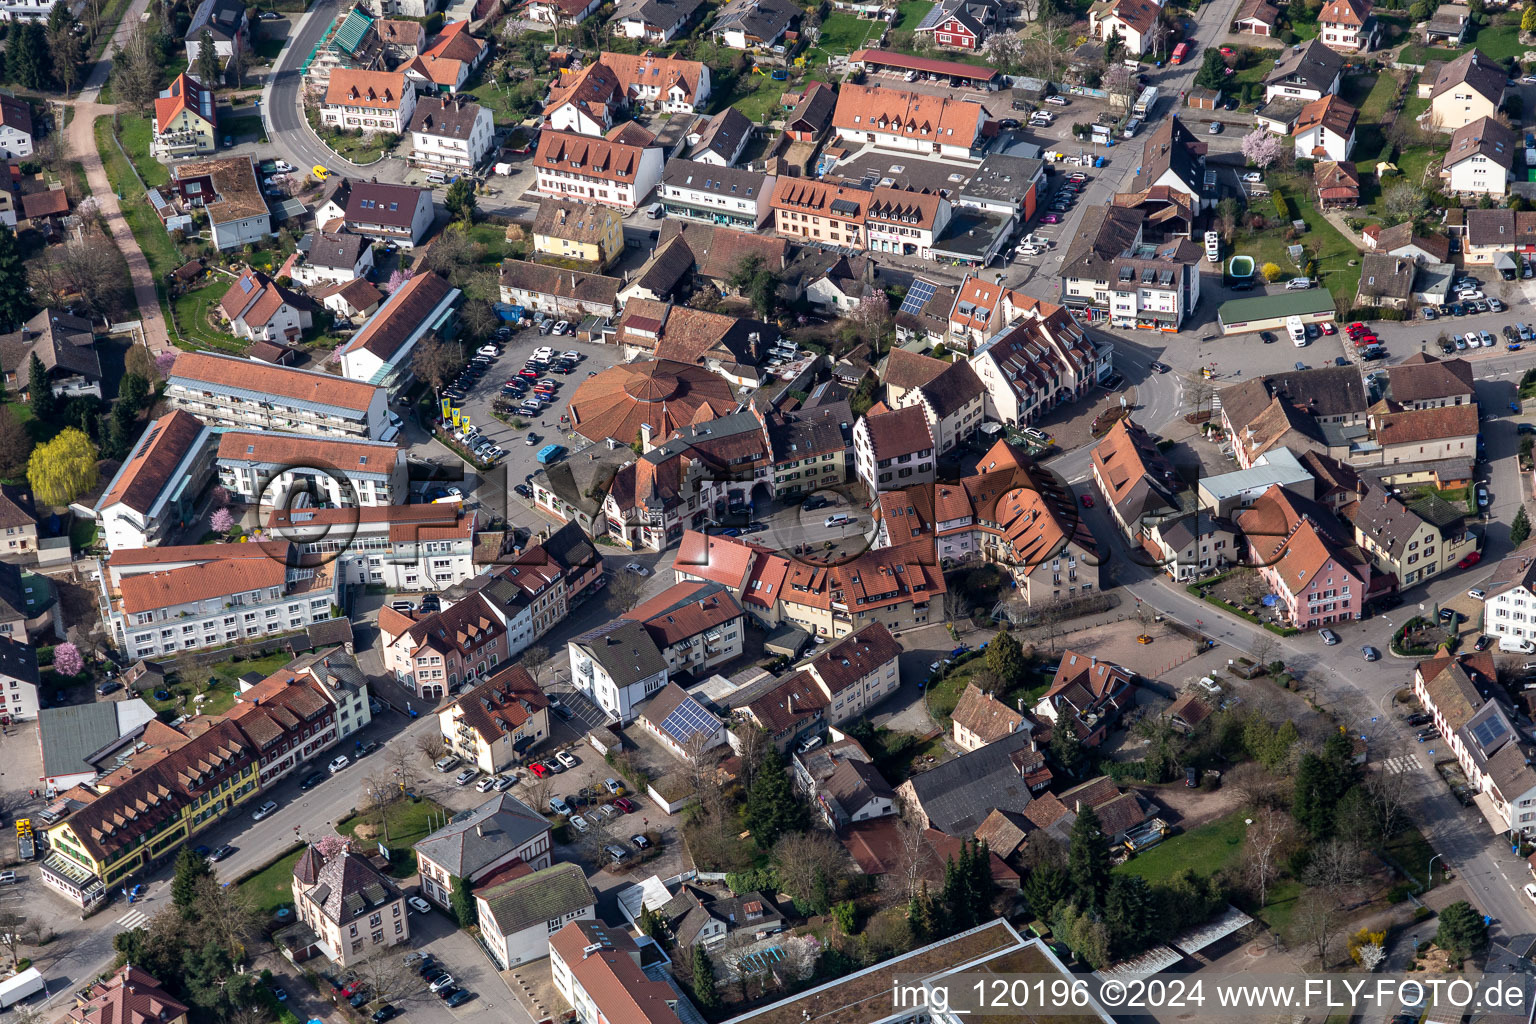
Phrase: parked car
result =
(459, 997)
(441, 983)
(1329, 637)
(339, 763)
(639, 842)
(580, 824)
(625, 804)
(566, 759)
(466, 776)
(418, 904)
(1471, 559)
(446, 764)
(559, 806)
(1369, 653)
(312, 780)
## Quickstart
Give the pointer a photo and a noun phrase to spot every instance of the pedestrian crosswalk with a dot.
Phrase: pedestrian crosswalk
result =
(1401, 765)
(133, 919)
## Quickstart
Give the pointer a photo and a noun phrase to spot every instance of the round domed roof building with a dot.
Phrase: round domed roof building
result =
(662, 393)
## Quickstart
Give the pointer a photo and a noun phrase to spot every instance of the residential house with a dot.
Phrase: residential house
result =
(561, 12)
(843, 784)
(185, 122)
(790, 712)
(1087, 695)
(809, 118)
(1425, 435)
(893, 447)
(668, 85)
(401, 214)
(1509, 609)
(157, 487)
(1137, 481)
(436, 653)
(1337, 184)
(681, 724)
(1423, 381)
(352, 908)
(1481, 158)
(1495, 233)
(694, 625)
(1192, 544)
(167, 599)
(1448, 25)
(228, 192)
(590, 101)
(1114, 275)
(602, 171)
(980, 718)
(18, 521)
(1174, 158)
(958, 794)
(719, 139)
(811, 448)
(260, 310)
(754, 24)
(814, 211)
(1118, 813)
(1402, 240)
(618, 665)
(128, 994)
(271, 468)
(494, 724)
(719, 195)
(66, 346)
(1412, 542)
(1325, 128)
(1035, 356)
(19, 677)
(1304, 74)
(1385, 281)
(479, 845)
(355, 41)
(598, 969)
(372, 101)
(653, 21)
(226, 391)
(380, 353)
(698, 916)
(334, 258)
(518, 916)
(1307, 559)
(16, 130)
(1257, 18)
(445, 66)
(858, 672)
(564, 294)
(1294, 409)
(904, 221)
(914, 122)
(1468, 89)
(951, 395)
(959, 24)
(225, 21)
(1347, 26)
(846, 283)
(1132, 21)
(581, 231)
(449, 133)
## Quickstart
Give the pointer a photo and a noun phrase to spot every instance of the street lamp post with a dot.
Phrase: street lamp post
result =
(1429, 882)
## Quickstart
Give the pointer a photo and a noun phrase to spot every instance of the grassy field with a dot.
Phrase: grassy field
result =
(243, 129)
(273, 887)
(909, 13)
(410, 821)
(757, 96)
(844, 33)
(1334, 250)
(134, 132)
(218, 683)
(192, 315)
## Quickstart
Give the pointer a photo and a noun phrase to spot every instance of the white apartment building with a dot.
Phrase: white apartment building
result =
(617, 665)
(695, 625)
(596, 968)
(1509, 610)
(893, 449)
(374, 101)
(230, 392)
(596, 170)
(169, 599)
(268, 468)
(450, 133)
(157, 488)
(857, 672)
(400, 547)
(717, 195)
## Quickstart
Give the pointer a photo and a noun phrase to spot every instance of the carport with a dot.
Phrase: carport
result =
(888, 60)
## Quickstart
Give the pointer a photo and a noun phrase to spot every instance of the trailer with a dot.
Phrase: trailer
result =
(23, 986)
(26, 846)
(550, 453)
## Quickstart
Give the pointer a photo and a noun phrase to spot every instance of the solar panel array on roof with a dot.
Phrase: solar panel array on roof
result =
(688, 719)
(351, 31)
(1488, 731)
(917, 296)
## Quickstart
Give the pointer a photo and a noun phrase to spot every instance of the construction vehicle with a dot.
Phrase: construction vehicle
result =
(26, 847)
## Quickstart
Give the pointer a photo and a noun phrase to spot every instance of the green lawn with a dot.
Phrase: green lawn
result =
(134, 133)
(269, 49)
(243, 129)
(272, 887)
(844, 33)
(757, 97)
(910, 13)
(231, 671)
(1206, 850)
(82, 534)
(410, 821)
(192, 315)
(1334, 253)
(1380, 98)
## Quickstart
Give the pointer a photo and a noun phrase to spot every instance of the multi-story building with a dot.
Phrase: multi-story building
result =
(225, 21)
(669, 85)
(900, 586)
(450, 133)
(950, 395)
(1132, 21)
(1509, 609)
(446, 65)
(1466, 90)
(353, 909)
(529, 591)
(226, 391)
(400, 547)
(385, 213)
(720, 195)
(1044, 360)
(1088, 694)
(156, 489)
(1306, 558)
(291, 717)
(270, 468)
(1481, 158)
(169, 599)
(226, 190)
(1325, 129)
(597, 970)
(980, 718)
(912, 121)
(370, 101)
(654, 21)
(812, 448)
(519, 915)
(618, 665)
(437, 653)
(893, 448)
(18, 680)
(18, 521)
(695, 626)
(334, 258)
(562, 293)
(904, 221)
(130, 993)
(494, 725)
(1412, 542)
(1303, 74)
(1347, 26)
(259, 309)
(1421, 435)
(812, 211)
(578, 231)
(480, 845)
(185, 123)
(605, 171)
(380, 354)
(857, 672)
(1115, 275)
(1137, 481)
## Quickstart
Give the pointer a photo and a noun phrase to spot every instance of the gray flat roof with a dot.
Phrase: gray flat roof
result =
(902, 170)
(70, 735)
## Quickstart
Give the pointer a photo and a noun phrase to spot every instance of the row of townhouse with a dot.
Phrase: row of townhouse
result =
(135, 813)
(234, 393)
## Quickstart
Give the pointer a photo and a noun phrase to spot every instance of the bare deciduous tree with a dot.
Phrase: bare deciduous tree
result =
(1388, 792)
(384, 976)
(533, 661)
(13, 933)
(1269, 840)
(1317, 922)
(431, 745)
(225, 915)
(624, 592)
(1336, 869)
(804, 858)
(912, 848)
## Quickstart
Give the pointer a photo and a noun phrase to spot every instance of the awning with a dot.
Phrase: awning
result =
(1504, 261)
(1496, 820)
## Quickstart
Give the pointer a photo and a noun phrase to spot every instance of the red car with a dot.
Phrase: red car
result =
(1472, 559)
(353, 989)
(625, 804)
(1328, 327)
(538, 769)
(528, 374)
(1087, 501)
(1357, 326)
(1366, 339)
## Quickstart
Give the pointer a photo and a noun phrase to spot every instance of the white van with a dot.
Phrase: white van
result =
(1213, 247)
(840, 519)
(1131, 128)
(1297, 331)
(1514, 645)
